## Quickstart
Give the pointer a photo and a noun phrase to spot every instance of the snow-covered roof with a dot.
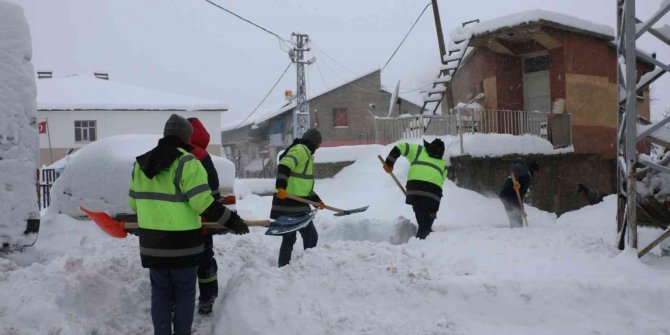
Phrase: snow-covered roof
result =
(81, 92)
(270, 113)
(540, 15)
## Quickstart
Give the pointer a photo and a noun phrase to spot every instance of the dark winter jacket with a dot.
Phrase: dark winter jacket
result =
(200, 141)
(525, 178)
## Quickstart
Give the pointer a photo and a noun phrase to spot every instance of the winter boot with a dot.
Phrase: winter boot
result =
(205, 307)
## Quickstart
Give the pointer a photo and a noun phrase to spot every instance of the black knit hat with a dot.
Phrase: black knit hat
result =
(313, 135)
(178, 126)
(435, 149)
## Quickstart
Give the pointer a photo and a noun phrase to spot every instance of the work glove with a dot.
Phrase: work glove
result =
(237, 226)
(516, 186)
(281, 193)
(388, 168)
(322, 205)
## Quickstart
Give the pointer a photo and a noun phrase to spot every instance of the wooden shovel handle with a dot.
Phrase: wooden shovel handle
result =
(313, 203)
(249, 223)
(397, 182)
(518, 197)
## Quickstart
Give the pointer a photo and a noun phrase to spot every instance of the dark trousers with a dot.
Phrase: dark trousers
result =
(514, 213)
(207, 269)
(172, 300)
(309, 239)
(425, 219)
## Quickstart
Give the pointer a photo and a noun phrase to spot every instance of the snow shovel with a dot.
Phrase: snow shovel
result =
(289, 223)
(340, 212)
(518, 197)
(115, 227)
(397, 182)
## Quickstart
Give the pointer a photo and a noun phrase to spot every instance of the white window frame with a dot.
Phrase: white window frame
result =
(83, 129)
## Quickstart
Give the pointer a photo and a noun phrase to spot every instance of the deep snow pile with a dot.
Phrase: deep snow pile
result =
(473, 275)
(18, 127)
(98, 175)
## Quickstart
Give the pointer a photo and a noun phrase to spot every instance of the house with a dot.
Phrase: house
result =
(549, 62)
(344, 115)
(80, 109)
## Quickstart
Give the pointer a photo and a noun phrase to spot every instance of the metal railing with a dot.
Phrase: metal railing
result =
(460, 121)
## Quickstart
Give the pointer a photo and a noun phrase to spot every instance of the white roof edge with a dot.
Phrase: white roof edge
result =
(539, 15)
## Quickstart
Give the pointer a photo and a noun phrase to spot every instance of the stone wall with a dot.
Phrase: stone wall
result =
(554, 188)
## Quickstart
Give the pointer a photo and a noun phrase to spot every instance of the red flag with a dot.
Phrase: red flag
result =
(42, 127)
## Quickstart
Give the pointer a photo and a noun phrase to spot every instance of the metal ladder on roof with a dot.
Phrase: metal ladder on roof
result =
(451, 60)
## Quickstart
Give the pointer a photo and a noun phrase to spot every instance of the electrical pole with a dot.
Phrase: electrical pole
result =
(301, 120)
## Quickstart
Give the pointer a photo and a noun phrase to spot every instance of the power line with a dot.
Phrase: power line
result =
(266, 96)
(321, 74)
(404, 38)
(349, 82)
(245, 20)
(321, 52)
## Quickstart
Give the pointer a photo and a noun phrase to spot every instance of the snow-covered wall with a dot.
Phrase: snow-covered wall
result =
(18, 127)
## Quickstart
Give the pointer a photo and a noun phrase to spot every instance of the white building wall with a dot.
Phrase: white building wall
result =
(110, 123)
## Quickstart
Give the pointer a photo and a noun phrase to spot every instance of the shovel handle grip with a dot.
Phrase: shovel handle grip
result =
(397, 182)
(313, 203)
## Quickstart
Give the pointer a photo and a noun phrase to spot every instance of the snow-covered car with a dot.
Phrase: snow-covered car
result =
(19, 145)
(97, 176)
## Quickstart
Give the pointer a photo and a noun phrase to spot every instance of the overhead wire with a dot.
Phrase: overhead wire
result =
(323, 53)
(266, 96)
(405, 37)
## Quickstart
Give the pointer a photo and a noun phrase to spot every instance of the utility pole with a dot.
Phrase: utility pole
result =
(301, 113)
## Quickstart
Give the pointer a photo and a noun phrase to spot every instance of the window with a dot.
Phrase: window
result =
(340, 119)
(84, 131)
(536, 64)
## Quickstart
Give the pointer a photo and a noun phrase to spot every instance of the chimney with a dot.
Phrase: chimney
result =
(101, 75)
(44, 74)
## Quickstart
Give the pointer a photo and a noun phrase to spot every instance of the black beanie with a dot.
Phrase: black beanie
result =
(180, 127)
(313, 135)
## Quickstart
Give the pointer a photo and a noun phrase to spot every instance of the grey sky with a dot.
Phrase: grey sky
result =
(193, 48)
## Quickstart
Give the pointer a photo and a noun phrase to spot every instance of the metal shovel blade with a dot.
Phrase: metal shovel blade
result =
(290, 223)
(352, 211)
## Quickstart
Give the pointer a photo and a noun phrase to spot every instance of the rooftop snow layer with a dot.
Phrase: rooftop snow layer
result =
(87, 92)
(537, 16)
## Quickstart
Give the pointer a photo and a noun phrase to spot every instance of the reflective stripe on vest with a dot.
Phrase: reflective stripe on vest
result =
(168, 203)
(301, 180)
(172, 252)
(423, 167)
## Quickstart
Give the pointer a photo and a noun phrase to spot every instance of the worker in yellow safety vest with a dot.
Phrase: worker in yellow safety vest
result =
(427, 174)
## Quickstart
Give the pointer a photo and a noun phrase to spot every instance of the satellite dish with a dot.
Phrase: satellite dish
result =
(394, 98)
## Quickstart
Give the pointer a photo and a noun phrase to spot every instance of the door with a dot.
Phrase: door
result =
(536, 87)
(536, 93)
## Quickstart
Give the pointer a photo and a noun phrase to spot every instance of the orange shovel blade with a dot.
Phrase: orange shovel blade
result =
(110, 226)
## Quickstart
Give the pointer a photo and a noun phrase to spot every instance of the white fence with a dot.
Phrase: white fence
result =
(460, 121)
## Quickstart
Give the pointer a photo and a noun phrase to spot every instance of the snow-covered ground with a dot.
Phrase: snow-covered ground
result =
(368, 275)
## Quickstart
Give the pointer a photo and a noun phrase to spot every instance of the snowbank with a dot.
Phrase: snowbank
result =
(348, 153)
(19, 153)
(97, 177)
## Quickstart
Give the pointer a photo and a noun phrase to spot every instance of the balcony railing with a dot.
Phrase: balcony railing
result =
(462, 121)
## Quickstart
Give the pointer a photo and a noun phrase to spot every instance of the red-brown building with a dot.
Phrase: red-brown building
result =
(545, 61)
